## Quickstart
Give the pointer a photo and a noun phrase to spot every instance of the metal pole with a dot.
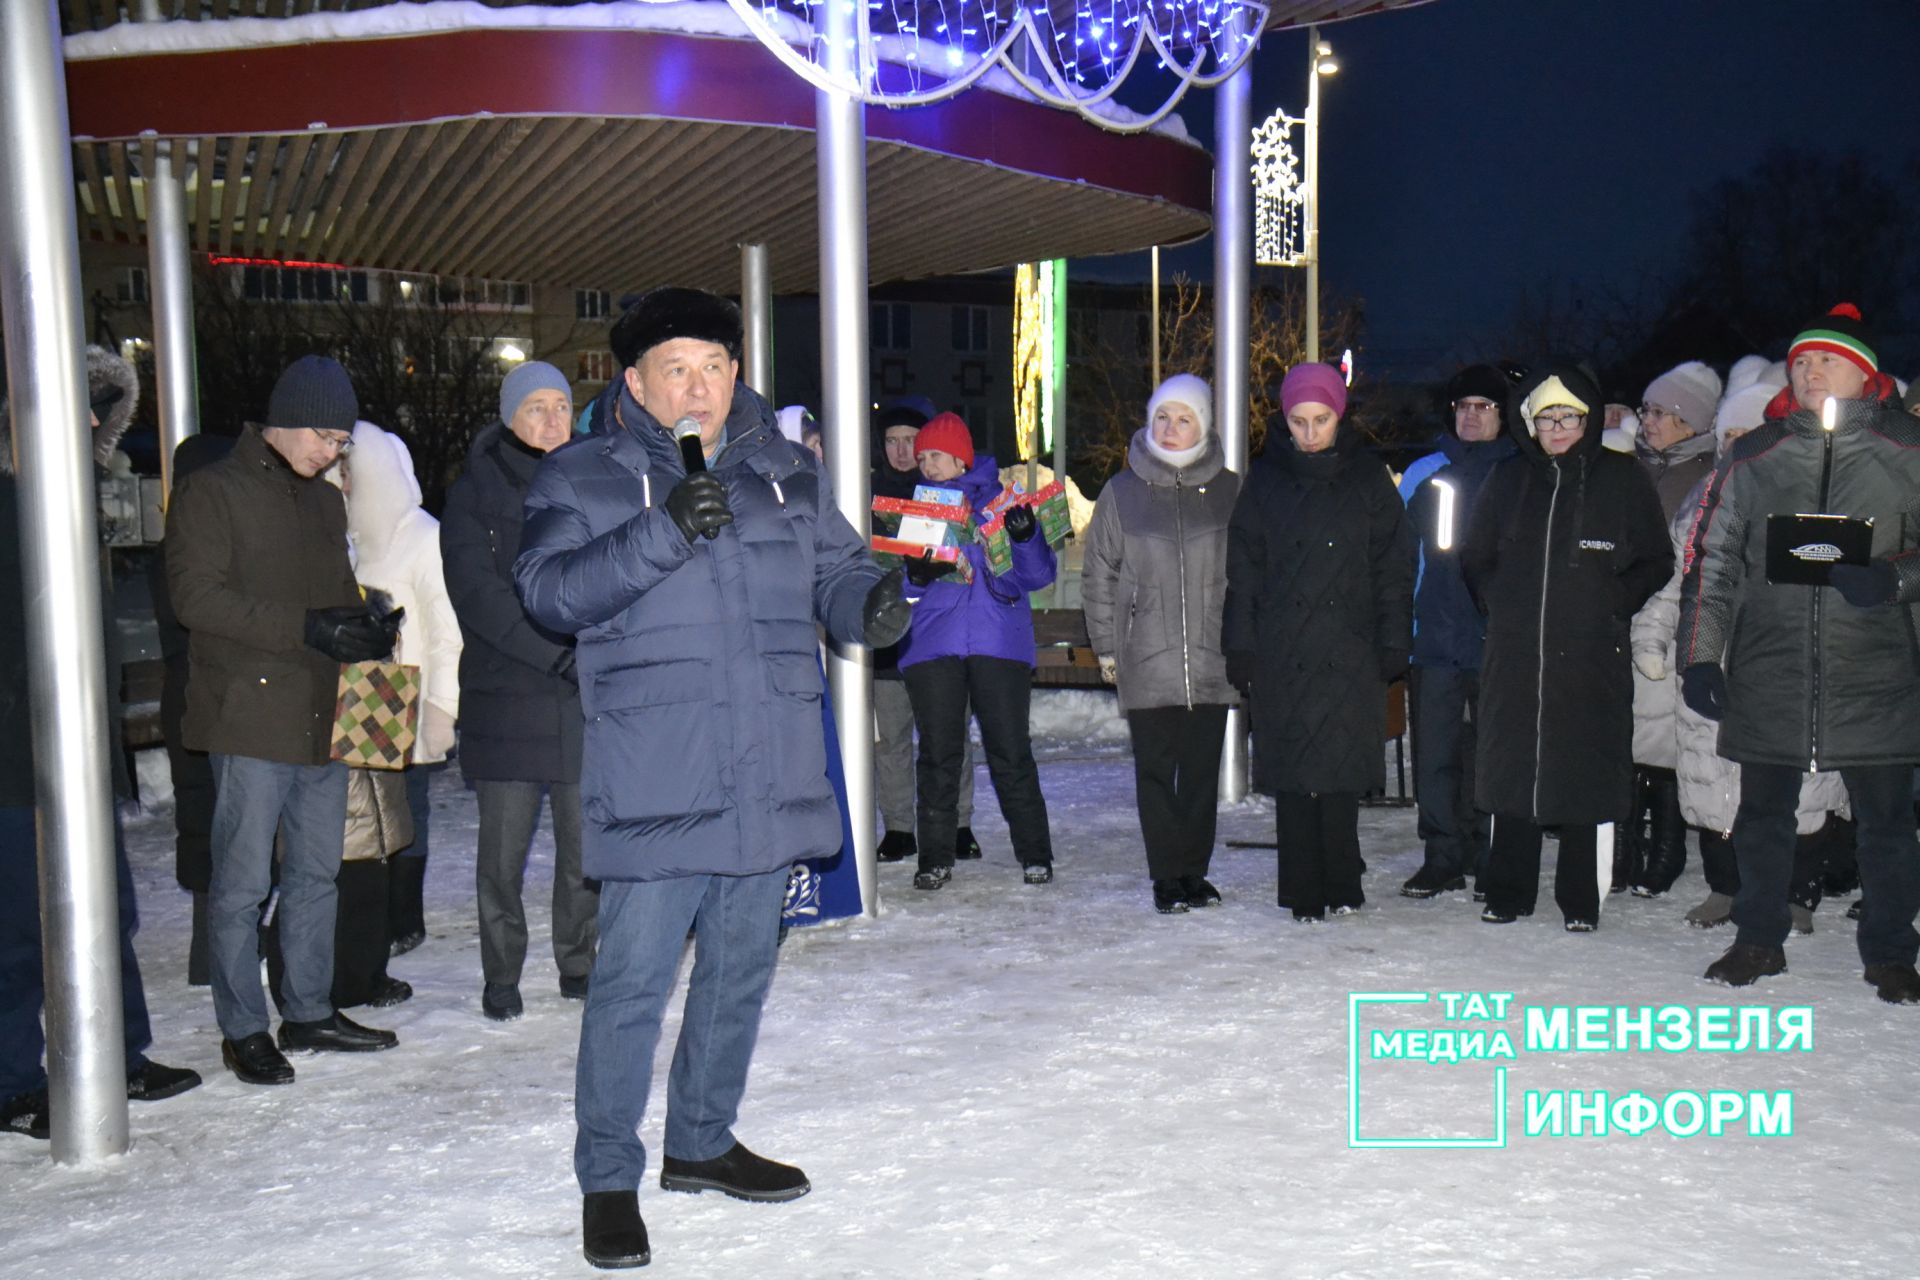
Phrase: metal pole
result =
(171, 273)
(53, 453)
(1057, 382)
(1154, 328)
(1313, 193)
(756, 307)
(840, 148)
(1232, 319)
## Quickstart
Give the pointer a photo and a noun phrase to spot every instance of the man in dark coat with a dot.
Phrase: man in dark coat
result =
(519, 695)
(1318, 621)
(114, 390)
(695, 599)
(1441, 490)
(258, 571)
(1565, 545)
(1805, 677)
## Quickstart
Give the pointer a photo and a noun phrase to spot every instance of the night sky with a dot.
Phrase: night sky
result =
(1471, 146)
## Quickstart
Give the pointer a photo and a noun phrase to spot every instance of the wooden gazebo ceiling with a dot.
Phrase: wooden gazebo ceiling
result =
(595, 159)
(93, 15)
(660, 211)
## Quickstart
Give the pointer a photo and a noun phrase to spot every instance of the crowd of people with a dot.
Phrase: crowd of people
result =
(1616, 624)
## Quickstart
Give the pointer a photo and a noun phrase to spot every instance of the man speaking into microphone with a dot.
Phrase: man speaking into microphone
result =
(694, 582)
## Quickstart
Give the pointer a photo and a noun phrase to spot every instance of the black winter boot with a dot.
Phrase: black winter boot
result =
(897, 846)
(612, 1234)
(1665, 851)
(1746, 963)
(406, 894)
(1630, 837)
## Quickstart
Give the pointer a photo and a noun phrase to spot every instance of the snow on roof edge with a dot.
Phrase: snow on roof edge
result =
(703, 18)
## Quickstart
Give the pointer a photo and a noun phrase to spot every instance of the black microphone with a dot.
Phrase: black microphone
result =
(687, 432)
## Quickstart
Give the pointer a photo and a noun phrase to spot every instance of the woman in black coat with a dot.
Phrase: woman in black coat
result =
(1565, 545)
(520, 722)
(1319, 620)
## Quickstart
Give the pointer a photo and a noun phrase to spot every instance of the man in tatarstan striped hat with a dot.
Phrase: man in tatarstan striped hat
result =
(1809, 677)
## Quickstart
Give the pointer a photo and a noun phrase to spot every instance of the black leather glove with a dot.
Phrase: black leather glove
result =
(1240, 668)
(1393, 664)
(1020, 523)
(925, 571)
(1865, 585)
(348, 633)
(698, 504)
(1703, 686)
(886, 613)
(564, 668)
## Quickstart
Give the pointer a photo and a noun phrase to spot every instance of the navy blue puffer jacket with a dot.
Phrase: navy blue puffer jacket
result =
(698, 664)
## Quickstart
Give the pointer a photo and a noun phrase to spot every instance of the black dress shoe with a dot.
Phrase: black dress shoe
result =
(965, 847)
(152, 1081)
(611, 1232)
(574, 985)
(500, 1001)
(1169, 897)
(1199, 893)
(739, 1173)
(390, 992)
(254, 1059)
(339, 1034)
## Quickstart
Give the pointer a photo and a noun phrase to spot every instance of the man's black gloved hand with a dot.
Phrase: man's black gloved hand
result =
(563, 666)
(698, 504)
(1865, 585)
(925, 571)
(1240, 668)
(1393, 664)
(348, 633)
(1703, 686)
(1020, 523)
(886, 613)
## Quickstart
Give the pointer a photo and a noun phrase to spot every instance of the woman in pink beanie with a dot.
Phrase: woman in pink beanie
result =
(1318, 622)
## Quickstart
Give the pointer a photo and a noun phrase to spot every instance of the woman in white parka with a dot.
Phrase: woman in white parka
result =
(396, 548)
(1710, 783)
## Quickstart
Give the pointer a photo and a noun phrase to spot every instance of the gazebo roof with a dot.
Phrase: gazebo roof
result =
(573, 154)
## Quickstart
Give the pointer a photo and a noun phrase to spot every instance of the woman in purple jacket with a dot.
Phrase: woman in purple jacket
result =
(972, 644)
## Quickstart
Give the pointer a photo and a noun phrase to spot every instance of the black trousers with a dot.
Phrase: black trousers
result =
(1319, 852)
(1512, 881)
(1446, 707)
(999, 691)
(1810, 855)
(1763, 837)
(1176, 784)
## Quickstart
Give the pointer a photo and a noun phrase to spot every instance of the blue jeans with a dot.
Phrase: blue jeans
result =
(308, 804)
(643, 930)
(22, 981)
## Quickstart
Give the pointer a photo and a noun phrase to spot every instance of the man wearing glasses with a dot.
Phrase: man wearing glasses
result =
(1448, 631)
(1566, 544)
(256, 554)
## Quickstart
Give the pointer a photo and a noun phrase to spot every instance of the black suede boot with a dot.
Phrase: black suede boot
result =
(611, 1233)
(406, 894)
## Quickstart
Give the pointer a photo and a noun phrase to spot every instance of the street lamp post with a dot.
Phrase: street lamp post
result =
(1320, 62)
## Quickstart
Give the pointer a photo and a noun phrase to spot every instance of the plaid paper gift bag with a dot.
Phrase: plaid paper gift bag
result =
(376, 716)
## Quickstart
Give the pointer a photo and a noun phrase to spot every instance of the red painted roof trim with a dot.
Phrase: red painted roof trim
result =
(367, 84)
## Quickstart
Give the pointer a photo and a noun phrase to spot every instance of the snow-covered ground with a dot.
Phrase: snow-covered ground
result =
(1004, 1081)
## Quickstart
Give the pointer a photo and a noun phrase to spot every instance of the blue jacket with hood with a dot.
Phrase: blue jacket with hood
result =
(698, 663)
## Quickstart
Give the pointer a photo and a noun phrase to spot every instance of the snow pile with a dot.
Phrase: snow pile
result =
(1003, 1081)
(1076, 720)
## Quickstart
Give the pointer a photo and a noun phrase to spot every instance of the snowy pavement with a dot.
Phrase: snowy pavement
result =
(1004, 1081)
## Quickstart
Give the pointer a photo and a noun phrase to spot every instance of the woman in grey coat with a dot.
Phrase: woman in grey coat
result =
(1154, 580)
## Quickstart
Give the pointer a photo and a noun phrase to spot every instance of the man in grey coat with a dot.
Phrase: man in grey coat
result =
(694, 596)
(1805, 677)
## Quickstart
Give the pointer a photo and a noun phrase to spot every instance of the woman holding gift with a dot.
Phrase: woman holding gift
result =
(971, 645)
(1318, 622)
(1153, 587)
